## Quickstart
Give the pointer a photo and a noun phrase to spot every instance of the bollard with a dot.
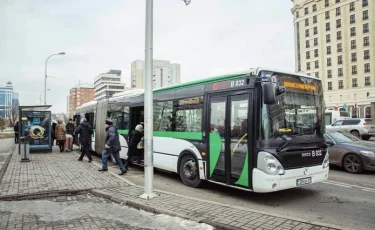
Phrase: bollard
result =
(25, 149)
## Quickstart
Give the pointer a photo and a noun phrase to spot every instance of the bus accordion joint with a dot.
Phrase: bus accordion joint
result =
(235, 147)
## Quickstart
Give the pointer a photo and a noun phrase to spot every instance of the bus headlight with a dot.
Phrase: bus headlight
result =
(269, 164)
(326, 161)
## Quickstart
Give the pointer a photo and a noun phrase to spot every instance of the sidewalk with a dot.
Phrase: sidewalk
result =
(55, 174)
(6, 148)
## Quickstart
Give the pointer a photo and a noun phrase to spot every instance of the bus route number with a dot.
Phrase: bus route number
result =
(237, 83)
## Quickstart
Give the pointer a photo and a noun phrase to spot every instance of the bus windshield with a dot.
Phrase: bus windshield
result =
(296, 112)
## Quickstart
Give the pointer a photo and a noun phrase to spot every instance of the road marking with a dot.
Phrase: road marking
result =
(338, 184)
(367, 189)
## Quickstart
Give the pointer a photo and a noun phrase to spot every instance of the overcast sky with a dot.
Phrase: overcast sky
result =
(207, 38)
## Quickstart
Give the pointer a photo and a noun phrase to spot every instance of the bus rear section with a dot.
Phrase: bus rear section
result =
(291, 150)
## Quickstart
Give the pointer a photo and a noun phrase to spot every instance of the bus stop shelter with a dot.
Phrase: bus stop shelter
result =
(35, 125)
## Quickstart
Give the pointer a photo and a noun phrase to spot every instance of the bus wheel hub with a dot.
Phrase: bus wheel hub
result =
(190, 169)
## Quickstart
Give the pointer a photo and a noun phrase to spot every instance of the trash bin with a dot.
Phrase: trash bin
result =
(25, 149)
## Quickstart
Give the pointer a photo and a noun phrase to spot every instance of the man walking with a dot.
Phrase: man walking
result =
(112, 146)
(85, 131)
(16, 134)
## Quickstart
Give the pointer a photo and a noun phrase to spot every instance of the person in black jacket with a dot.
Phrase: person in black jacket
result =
(133, 150)
(85, 131)
(69, 135)
(54, 124)
(16, 133)
(112, 146)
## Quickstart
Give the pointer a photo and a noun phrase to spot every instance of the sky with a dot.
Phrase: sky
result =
(207, 37)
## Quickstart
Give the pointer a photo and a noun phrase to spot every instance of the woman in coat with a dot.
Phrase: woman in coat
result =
(54, 124)
(133, 150)
(60, 134)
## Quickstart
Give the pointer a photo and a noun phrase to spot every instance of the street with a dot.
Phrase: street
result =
(346, 199)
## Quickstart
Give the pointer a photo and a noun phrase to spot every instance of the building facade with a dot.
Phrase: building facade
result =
(335, 41)
(79, 95)
(9, 102)
(107, 84)
(165, 74)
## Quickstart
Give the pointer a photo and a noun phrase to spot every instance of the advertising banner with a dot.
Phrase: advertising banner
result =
(37, 126)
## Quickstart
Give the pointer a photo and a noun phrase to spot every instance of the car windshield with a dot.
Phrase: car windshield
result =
(343, 137)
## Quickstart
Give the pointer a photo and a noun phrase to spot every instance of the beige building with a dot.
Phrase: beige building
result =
(79, 95)
(165, 74)
(335, 41)
(107, 84)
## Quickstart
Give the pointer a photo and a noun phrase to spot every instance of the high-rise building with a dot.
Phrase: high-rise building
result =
(165, 74)
(79, 95)
(8, 102)
(335, 41)
(107, 84)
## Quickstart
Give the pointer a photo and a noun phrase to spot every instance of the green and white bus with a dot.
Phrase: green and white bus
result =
(260, 130)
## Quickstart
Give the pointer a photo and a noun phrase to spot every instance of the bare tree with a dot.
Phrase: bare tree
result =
(12, 114)
(3, 123)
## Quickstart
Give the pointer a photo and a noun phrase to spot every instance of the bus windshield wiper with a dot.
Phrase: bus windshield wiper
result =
(293, 137)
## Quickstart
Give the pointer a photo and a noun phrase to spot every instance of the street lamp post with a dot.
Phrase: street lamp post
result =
(148, 106)
(45, 76)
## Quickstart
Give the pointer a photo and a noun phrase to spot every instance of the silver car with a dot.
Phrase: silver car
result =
(359, 127)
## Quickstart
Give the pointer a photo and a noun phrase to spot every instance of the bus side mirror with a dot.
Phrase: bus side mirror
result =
(269, 93)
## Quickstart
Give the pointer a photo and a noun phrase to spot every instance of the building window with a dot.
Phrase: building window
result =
(330, 85)
(315, 41)
(338, 23)
(328, 49)
(329, 73)
(367, 81)
(338, 11)
(367, 54)
(306, 22)
(307, 44)
(326, 3)
(354, 69)
(365, 28)
(315, 19)
(366, 41)
(306, 10)
(339, 60)
(337, 1)
(317, 74)
(364, 3)
(352, 19)
(315, 30)
(314, 8)
(328, 26)
(327, 15)
(354, 83)
(367, 68)
(341, 84)
(365, 15)
(297, 14)
(316, 64)
(339, 35)
(328, 38)
(368, 112)
(340, 71)
(307, 54)
(308, 67)
(354, 57)
(307, 33)
(353, 44)
(352, 31)
(352, 6)
(339, 47)
(316, 53)
(329, 62)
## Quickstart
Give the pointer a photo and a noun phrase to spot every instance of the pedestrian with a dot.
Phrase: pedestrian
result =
(85, 131)
(54, 124)
(112, 146)
(60, 134)
(69, 136)
(16, 133)
(134, 141)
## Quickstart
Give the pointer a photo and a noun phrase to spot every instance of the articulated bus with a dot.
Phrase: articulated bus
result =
(259, 130)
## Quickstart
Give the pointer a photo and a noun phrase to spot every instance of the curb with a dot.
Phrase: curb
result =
(6, 163)
(41, 195)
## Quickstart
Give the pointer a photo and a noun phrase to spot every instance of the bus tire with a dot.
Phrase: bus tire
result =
(188, 171)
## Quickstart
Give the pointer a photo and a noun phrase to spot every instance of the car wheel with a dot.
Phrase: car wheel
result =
(353, 164)
(189, 172)
(355, 133)
(366, 138)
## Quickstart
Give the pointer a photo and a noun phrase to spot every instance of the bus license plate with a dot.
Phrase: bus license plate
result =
(303, 181)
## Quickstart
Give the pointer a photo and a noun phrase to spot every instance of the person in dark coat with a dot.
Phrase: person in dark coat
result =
(133, 150)
(85, 131)
(16, 133)
(112, 146)
(69, 135)
(54, 124)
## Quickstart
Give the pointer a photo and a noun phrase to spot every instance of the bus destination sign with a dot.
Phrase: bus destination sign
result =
(299, 86)
(238, 83)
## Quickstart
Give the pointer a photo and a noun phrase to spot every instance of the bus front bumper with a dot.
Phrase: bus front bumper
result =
(263, 182)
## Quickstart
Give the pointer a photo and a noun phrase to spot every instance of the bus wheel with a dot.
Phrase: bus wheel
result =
(188, 171)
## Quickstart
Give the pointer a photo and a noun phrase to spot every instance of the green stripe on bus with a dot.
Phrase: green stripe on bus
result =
(215, 149)
(244, 178)
(124, 131)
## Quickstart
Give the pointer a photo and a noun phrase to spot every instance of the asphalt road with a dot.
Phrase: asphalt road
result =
(338, 201)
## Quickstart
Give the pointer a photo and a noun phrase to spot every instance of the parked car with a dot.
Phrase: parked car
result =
(359, 127)
(350, 152)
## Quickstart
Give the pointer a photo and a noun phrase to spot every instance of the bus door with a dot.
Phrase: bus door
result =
(228, 139)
